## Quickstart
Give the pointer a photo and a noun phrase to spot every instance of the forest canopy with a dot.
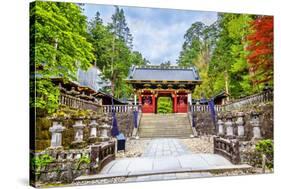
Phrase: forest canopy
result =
(234, 54)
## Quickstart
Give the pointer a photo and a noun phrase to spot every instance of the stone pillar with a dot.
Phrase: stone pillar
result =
(240, 124)
(229, 126)
(56, 130)
(78, 129)
(255, 122)
(220, 126)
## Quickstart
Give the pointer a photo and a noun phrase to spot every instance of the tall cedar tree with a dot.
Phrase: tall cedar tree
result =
(260, 46)
(113, 52)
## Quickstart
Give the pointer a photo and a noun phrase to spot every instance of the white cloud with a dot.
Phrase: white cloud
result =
(158, 33)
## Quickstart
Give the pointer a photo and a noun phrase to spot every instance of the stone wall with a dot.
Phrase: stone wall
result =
(203, 123)
(125, 121)
(43, 136)
(266, 120)
(66, 166)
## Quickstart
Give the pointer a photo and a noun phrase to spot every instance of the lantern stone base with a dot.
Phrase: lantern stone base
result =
(93, 140)
(57, 148)
(103, 139)
(78, 144)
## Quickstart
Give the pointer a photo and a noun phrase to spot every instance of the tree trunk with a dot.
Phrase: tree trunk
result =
(226, 85)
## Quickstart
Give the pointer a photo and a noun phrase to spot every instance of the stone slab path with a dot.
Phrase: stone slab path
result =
(165, 158)
(165, 147)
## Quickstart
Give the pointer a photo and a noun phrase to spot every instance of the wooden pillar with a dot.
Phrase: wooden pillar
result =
(187, 105)
(153, 102)
(175, 102)
(140, 99)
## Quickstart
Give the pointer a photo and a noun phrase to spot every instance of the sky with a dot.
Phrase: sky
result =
(158, 33)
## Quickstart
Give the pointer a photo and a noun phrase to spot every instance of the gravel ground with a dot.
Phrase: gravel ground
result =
(101, 181)
(253, 171)
(199, 145)
(134, 148)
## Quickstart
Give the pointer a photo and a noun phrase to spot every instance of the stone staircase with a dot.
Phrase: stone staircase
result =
(165, 125)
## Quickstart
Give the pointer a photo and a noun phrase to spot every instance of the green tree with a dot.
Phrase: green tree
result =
(58, 47)
(137, 59)
(229, 62)
(119, 27)
(197, 50)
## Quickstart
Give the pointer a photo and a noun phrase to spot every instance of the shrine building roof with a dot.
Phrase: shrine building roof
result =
(163, 73)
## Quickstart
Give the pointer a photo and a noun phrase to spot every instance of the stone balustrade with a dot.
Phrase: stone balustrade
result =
(265, 96)
(120, 108)
(205, 108)
(227, 148)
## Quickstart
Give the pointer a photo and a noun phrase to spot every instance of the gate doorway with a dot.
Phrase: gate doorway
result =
(164, 104)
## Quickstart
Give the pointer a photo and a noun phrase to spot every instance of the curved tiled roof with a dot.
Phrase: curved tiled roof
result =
(163, 73)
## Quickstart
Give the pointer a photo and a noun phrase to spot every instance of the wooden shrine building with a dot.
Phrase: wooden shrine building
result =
(152, 82)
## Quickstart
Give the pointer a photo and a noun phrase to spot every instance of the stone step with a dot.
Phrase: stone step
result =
(165, 125)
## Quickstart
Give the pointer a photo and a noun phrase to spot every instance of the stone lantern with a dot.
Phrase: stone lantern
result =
(255, 122)
(220, 126)
(93, 131)
(56, 130)
(78, 129)
(240, 124)
(229, 126)
(104, 130)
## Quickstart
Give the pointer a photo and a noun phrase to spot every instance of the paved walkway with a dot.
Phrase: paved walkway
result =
(165, 159)
(165, 147)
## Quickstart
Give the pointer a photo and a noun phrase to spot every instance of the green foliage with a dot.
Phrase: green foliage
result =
(197, 48)
(113, 44)
(58, 47)
(41, 161)
(266, 147)
(47, 95)
(219, 52)
(83, 160)
(229, 60)
(164, 105)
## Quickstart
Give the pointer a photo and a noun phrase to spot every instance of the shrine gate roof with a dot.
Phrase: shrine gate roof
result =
(163, 73)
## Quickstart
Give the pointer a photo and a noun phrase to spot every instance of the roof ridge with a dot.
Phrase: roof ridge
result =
(164, 67)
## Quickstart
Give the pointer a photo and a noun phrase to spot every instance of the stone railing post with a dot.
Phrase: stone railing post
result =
(240, 124)
(229, 126)
(255, 122)
(56, 130)
(220, 126)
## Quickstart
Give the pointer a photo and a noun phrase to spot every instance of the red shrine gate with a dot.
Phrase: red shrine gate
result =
(148, 100)
(151, 82)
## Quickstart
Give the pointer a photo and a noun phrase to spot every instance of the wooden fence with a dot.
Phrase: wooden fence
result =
(77, 103)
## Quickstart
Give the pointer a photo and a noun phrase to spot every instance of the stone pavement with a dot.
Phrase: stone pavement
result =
(165, 147)
(165, 159)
